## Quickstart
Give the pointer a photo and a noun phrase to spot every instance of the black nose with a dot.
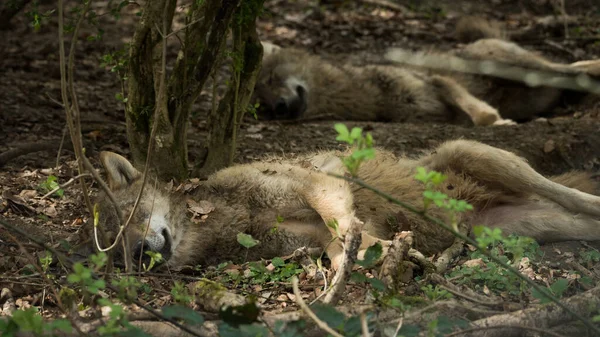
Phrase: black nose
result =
(281, 108)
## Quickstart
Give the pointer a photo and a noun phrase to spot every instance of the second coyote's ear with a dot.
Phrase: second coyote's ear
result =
(269, 48)
(119, 170)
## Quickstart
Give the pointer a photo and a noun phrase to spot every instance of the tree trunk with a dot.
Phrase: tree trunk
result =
(224, 122)
(205, 33)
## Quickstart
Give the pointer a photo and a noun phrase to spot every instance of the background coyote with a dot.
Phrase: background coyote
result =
(294, 84)
(504, 190)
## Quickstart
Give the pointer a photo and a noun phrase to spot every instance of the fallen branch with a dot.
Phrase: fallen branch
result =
(576, 80)
(546, 316)
(392, 268)
(442, 262)
(463, 293)
(352, 241)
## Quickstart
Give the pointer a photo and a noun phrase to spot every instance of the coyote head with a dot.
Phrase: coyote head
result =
(151, 226)
(281, 87)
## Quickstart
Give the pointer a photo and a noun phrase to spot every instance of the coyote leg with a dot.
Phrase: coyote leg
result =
(509, 171)
(590, 67)
(541, 221)
(457, 96)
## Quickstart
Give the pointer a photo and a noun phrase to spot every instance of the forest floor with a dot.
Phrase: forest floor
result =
(354, 31)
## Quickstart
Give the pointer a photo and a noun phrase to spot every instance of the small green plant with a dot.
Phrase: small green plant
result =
(363, 146)
(51, 184)
(155, 257)
(557, 288)
(279, 220)
(83, 275)
(283, 272)
(432, 180)
(37, 18)
(45, 261)
(128, 287)
(28, 320)
(509, 250)
(181, 294)
(590, 256)
(252, 109)
(436, 293)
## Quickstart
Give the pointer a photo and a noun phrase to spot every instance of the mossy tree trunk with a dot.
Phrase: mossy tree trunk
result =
(208, 23)
(223, 122)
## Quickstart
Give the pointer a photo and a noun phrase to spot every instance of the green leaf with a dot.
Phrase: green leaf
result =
(372, 255)
(188, 315)
(244, 330)
(329, 315)
(240, 314)
(422, 175)
(246, 240)
(28, 320)
(376, 283)
(278, 262)
(343, 133)
(358, 277)
(478, 230)
(59, 324)
(560, 286)
(363, 154)
(355, 133)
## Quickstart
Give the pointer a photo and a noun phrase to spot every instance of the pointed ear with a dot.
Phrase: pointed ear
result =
(269, 48)
(119, 170)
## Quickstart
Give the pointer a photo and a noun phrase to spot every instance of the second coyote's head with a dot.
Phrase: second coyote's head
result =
(152, 227)
(281, 87)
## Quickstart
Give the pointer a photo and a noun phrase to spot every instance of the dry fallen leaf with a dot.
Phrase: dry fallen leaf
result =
(50, 211)
(474, 263)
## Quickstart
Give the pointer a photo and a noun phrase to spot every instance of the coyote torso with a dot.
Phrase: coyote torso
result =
(294, 84)
(287, 204)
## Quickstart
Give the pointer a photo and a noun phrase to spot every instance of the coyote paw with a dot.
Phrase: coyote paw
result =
(504, 122)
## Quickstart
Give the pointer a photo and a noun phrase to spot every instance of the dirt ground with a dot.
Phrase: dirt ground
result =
(356, 31)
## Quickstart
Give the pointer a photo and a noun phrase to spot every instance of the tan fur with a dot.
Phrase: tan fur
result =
(294, 84)
(504, 190)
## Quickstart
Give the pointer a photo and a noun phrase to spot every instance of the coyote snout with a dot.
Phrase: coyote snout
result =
(281, 97)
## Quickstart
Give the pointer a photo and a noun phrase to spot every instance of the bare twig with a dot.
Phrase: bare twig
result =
(309, 312)
(72, 180)
(62, 141)
(364, 325)
(475, 298)
(385, 4)
(572, 79)
(67, 87)
(352, 241)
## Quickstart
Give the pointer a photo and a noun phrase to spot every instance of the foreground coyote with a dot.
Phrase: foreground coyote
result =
(294, 84)
(503, 189)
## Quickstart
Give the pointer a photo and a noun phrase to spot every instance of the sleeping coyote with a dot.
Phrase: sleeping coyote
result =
(294, 84)
(503, 189)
